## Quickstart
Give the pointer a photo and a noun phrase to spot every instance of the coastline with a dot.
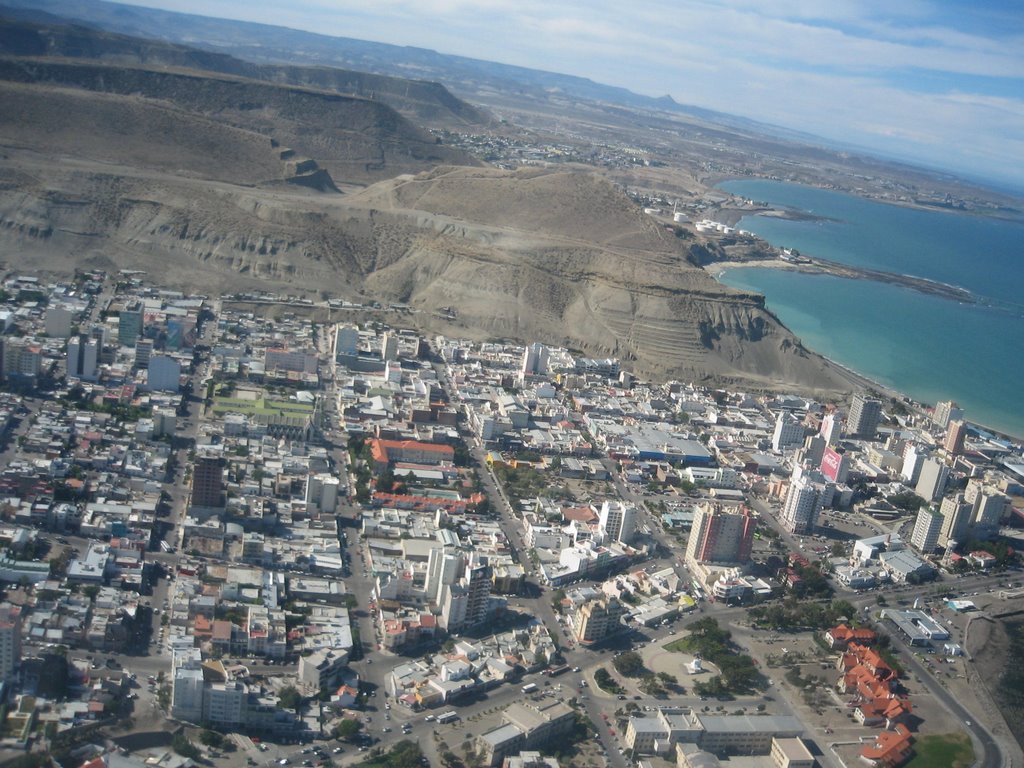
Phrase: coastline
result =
(856, 379)
(993, 209)
(816, 266)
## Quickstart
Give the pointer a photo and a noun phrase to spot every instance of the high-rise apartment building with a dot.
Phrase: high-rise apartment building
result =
(208, 481)
(597, 619)
(932, 482)
(831, 428)
(803, 503)
(143, 353)
(82, 358)
(465, 603)
(945, 412)
(914, 456)
(389, 347)
(789, 432)
(617, 521)
(21, 360)
(10, 640)
(956, 519)
(163, 374)
(346, 341)
(129, 325)
(927, 528)
(835, 465)
(988, 507)
(955, 436)
(865, 413)
(720, 535)
(58, 322)
(535, 360)
(444, 567)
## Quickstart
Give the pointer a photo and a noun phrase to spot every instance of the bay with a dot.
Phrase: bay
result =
(928, 347)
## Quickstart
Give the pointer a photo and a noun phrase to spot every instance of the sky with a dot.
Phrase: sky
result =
(937, 82)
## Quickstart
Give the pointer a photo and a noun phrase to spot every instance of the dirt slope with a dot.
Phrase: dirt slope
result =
(424, 102)
(356, 140)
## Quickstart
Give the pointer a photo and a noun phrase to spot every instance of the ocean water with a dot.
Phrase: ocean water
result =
(928, 347)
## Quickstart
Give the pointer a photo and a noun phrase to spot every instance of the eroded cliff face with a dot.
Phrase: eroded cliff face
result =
(553, 256)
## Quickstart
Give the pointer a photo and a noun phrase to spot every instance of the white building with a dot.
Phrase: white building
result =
(945, 412)
(444, 567)
(789, 432)
(187, 686)
(932, 483)
(956, 519)
(913, 459)
(389, 347)
(535, 360)
(82, 358)
(831, 428)
(617, 521)
(803, 503)
(927, 528)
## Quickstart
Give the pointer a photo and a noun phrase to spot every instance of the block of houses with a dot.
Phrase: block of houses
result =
(838, 638)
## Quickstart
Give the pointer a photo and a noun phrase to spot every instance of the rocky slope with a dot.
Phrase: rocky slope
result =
(555, 256)
(182, 174)
(36, 34)
(356, 140)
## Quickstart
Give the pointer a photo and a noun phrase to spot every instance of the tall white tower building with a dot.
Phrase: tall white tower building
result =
(618, 521)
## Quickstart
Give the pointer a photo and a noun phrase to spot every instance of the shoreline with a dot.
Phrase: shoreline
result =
(816, 266)
(998, 211)
(855, 378)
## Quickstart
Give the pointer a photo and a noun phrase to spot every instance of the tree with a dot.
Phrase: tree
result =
(184, 747)
(211, 738)
(346, 730)
(289, 697)
(629, 664)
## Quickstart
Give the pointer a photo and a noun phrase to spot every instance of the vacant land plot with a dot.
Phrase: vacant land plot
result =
(948, 750)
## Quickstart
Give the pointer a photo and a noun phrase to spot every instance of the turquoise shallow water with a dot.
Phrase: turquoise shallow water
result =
(928, 347)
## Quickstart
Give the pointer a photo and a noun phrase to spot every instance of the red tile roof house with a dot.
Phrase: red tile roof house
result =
(838, 638)
(889, 749)
(888, 711)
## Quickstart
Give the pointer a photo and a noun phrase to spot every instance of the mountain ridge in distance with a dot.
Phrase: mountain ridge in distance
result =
(470, 78)
(256, 40)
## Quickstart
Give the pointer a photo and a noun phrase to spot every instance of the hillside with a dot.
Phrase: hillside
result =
(41, 35)
(562, 257)
(565, 257)
(180, 173)
(356, 140)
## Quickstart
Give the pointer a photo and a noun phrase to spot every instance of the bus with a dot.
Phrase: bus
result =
(556, 671)
(529, 688)
(448, 717)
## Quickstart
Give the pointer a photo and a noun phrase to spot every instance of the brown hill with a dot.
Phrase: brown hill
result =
(356, 140)
(181, 174)
(567, 258)
(422, 101)
(556, 256)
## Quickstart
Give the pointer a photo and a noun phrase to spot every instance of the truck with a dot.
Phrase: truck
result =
(448, 717)
(529, 688)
